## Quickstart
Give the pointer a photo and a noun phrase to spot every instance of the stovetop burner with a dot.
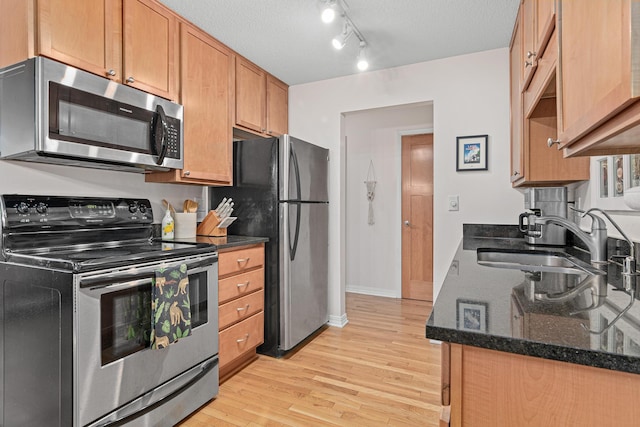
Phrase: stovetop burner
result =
(62, 232)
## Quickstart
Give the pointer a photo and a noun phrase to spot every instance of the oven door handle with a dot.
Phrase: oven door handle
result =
(129, 275)
(151, 400)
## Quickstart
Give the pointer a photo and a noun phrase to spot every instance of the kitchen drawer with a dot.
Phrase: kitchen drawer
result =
(240, 309)
(240, 285)
(240, 260)
(241, 338)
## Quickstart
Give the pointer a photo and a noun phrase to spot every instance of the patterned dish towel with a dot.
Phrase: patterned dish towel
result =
(170, 306)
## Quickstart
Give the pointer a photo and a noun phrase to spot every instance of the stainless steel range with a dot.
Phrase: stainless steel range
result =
(75, 309)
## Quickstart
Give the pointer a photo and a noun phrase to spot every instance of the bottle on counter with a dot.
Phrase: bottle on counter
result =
(168, 226)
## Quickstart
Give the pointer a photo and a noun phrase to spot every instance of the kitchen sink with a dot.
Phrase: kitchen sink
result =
(534, 260)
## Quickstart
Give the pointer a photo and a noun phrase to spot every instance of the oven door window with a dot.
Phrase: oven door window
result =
(125, 317)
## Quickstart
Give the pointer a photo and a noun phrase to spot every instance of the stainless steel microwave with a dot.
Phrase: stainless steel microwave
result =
(54, 113)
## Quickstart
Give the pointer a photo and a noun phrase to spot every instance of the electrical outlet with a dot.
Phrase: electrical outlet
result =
(454, 203)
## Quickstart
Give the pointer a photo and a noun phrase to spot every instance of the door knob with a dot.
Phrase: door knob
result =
(406, 224)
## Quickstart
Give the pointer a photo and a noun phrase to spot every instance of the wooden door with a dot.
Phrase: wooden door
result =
(417, 217)
(251, 95)
(84, 34)
(150, 48)
(277, 106)
(207, 68)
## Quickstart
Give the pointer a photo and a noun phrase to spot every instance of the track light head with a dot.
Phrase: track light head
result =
(329, 11)
(363, 63)
(340, 40)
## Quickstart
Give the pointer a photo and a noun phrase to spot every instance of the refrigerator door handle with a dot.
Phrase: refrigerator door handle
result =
(296, 169)
(293, 243)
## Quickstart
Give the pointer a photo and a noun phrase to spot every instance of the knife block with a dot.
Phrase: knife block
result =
(209, 226)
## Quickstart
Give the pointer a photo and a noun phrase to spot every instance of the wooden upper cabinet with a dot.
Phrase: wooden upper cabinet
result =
(150, 48)
(277, 107)
(538, 22)
(206, 93)
(251, 96)
(262, 101)
(83, 34)
(600, 80)
(130, 41)
(515, 73)
(534, 116)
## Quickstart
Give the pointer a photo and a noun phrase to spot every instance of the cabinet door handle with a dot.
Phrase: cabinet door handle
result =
(516, 173)
(245, 308)
(130, 80)
(186, 173)
(528, 63)
(552, 141)
(530, 54)
(111, 72)
(241, 285)
(239, 340)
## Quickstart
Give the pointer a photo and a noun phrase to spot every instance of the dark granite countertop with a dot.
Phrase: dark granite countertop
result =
(598, 324)
(225, 242)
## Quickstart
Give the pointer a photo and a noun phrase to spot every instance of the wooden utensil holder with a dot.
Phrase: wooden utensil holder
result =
(209, 226)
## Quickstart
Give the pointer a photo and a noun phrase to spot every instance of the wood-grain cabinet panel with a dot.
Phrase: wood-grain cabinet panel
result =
(240, 309)
(493, 388)
(241, 338)
(134, 42)
(240, 285)
(241, 260)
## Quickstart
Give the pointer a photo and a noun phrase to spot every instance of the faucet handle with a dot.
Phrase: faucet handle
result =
(597, 223)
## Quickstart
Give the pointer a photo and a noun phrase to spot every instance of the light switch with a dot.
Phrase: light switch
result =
(453, 203)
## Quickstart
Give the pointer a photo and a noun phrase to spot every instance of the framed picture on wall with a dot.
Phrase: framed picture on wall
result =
(471, 315)
(471, 153)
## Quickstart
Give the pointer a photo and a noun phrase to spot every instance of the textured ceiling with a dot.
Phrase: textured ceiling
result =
(288, 39)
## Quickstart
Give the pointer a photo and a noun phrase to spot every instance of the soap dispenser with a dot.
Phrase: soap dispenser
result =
(167, 226)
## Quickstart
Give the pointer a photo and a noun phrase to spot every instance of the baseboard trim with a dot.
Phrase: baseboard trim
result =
(339, 321)
(372, 291)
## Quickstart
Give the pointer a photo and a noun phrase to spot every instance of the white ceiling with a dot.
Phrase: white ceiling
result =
(288, 39)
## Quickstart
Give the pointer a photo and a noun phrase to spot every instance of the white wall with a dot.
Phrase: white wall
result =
(470, 96)
(375, 136)
(33, 178)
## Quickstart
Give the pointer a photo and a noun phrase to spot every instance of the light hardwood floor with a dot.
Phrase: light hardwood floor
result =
(379, 370)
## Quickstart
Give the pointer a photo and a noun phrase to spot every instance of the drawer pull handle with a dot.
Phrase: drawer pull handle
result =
(243, 308)
(239, 340)
(242, 285)
(243, 260)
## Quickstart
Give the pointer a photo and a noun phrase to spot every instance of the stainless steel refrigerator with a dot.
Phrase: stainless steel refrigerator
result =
(281, 192)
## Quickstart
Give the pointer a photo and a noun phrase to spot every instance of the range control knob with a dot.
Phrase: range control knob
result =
(22, 208)
(133, 208)
(142, 208)
(41, 208)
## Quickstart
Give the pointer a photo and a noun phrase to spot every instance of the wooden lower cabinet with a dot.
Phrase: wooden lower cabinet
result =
(241, 306)
(492, 388)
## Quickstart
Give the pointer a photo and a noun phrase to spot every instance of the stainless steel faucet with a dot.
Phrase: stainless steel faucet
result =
(596, 241)
(629, 261)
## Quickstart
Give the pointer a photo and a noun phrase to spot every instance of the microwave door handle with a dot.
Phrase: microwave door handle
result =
(159, 143)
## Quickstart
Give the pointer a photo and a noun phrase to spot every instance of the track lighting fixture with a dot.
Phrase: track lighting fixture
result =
(363, 63)
(340, 40)
(329, 11)
(332, 8)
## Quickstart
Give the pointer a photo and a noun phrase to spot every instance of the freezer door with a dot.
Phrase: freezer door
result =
(303, 170)
(304, 253)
